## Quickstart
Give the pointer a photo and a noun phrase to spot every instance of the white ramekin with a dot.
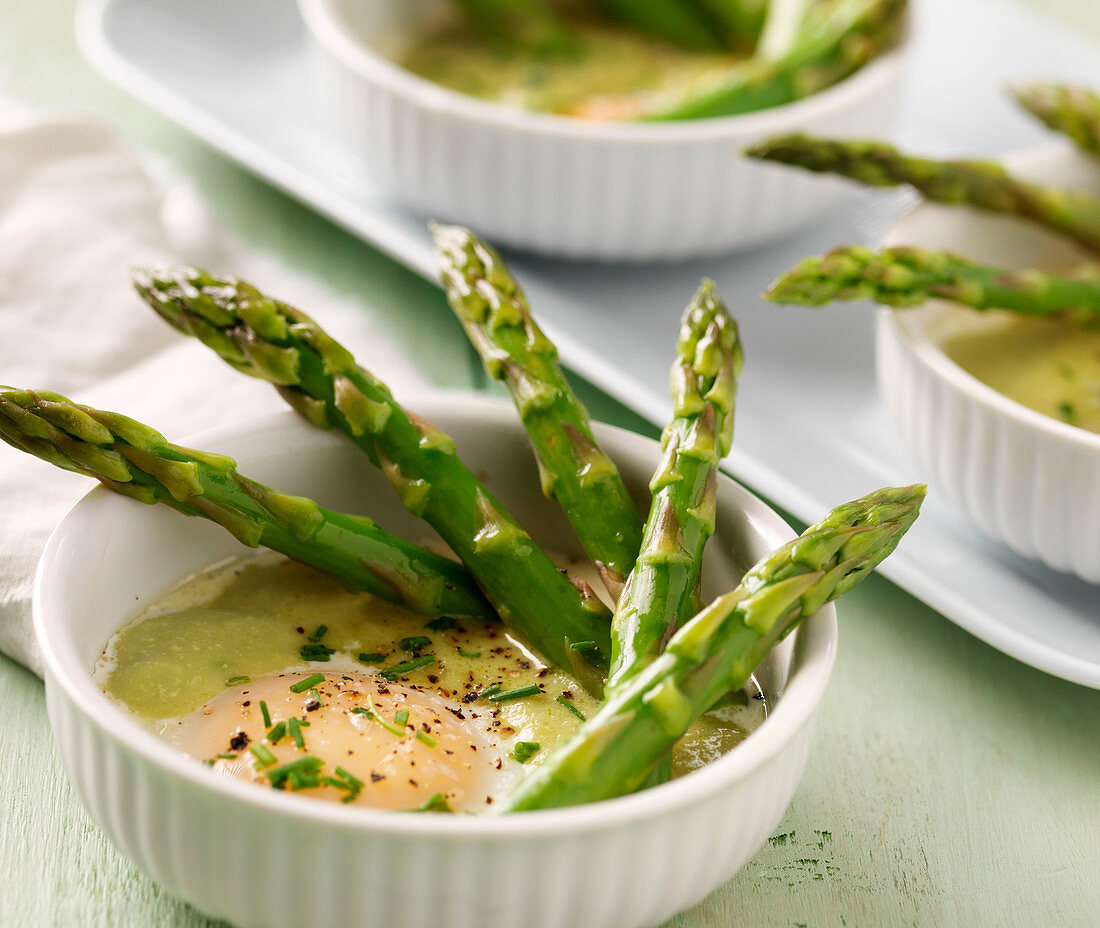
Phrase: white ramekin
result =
(1023, 478)
(571, 187)
(262, 858)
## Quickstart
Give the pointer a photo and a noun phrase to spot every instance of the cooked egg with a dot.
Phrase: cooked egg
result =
(369, 742)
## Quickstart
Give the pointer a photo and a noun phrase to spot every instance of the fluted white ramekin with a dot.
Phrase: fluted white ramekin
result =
(1023, 478)
(572, 187)
(267, 859)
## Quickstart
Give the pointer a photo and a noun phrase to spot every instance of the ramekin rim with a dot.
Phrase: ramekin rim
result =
(796, 708)
(927, 351)
(326, 27)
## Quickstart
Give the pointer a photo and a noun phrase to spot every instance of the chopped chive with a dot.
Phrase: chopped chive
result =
(295, 729)
(423, 737)
(568, 705)
(372, 658)
(470, 654)
(525, 750)
(302, 685)
(489, 691)
(264, 758)
(583, 646)
(374, 716)
(237, 681)
(209, 762)
(401, 717)
(319, 634)
(442, 624)
(415, 643)
(353, 780)
(266, 714)
(298, 774)
(315, 697)
(392, 673)
(437, 803)
(345, 781)
(226, 755)
(276, 732)
(316, 652)
(1068, 412)
(520, 692)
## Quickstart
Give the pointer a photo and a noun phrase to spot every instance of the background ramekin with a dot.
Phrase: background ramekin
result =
(571, 187)
(1023, 478)
(265, 859)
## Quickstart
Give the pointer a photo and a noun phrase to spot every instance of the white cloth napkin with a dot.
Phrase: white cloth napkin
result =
(78, 208)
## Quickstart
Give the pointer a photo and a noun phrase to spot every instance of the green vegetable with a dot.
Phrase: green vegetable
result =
(613, 753)
(302, 685)
(397, 670)
(572, 708)
(836, 39)
(662, 591)
(320, 379)
(525, 750)
(519, 692)
(573, 468)
(676, 21)
(981, 184)
(1073, 111)
(909, 276)
(134, 460)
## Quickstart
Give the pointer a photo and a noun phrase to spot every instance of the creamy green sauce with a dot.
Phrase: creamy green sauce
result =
(610, 73)
(1048, 366)
(252, 617)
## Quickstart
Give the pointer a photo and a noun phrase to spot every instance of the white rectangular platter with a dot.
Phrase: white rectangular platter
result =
(810, 429)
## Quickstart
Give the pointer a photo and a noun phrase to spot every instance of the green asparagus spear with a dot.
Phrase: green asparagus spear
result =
(837, 39)
(134, 460)
(662, 591)
(319, 378)
(673, 20)
(740, 21)
(612, 753)
(910, 276)
(573, 468)
(1073, 111)
(982, 184)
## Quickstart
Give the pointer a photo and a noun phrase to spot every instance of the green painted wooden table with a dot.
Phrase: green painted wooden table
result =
(949, 785)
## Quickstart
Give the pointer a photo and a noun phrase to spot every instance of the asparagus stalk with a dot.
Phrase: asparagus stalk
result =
(837, 39)
(612, 753)
(573, 468)
(982, 184)
(1073, 111)
(910, 276)
(673, 20)
(319, 378)
(662, 591)
(741, 21)
(134, 460)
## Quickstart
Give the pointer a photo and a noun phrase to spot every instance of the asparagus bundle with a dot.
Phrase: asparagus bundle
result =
(1073, 111)
(663, 589)
(134, 460)
(982, 184)
(910, 276)
(572, 467)
(319, 378)
(837, 38)
(612, 753)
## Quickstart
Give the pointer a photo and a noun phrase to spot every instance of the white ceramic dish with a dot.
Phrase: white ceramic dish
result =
(264, 859)
(803, 449)
(572, 187)
(1024, 478)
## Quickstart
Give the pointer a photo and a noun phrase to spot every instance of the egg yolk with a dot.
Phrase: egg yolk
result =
(400, 745)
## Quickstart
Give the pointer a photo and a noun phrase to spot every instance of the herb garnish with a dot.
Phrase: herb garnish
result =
(302, 685)
(266, 714)
(316, 652)
(525, 750)
(276, 732)
(346, 781)
(437, 803)
(520, 692)
(401, 717)
(298, 774)
(237, 681)
(489, 691)
(373, 658)
(392, 673)
(319, 634)
(295, 728)
(469, 654)
(264, 758)
(568, 705)
(375, 716)
(226, 755)
(423, 737)
(415, 643)
(442, 624)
